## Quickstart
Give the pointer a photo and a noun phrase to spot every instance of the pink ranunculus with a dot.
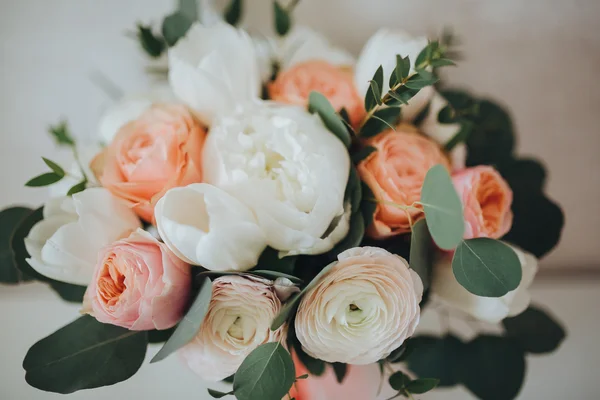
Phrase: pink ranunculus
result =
(486, 199)
(160, 150)
(138, 284)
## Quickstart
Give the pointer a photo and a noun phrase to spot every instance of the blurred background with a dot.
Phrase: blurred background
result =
(538, 57)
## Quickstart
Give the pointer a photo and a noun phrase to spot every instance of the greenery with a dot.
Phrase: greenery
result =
(422, 252)
(535, 331)
(406, 386)
(10, 219)
(317, 103)
(233, 12)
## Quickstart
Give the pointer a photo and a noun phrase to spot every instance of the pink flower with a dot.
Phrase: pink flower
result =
(138, 284)
(486, 199)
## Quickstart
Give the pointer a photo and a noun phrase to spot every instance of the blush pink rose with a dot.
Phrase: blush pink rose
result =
(160, 150)
(138, 284)
(486, 199)
(293, 86)
(395, 174)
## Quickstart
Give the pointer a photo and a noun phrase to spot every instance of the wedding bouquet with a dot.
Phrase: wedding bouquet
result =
(282, 210)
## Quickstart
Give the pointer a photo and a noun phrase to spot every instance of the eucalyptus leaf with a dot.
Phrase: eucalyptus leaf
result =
(269, 261)
(437, 357)
(317, 103)
(398, 380)
(175, 26)
(283, 20)
(368, 205)
(373, 95)
(189, 8)
(18, 243)
(421, 252)
(354, 236)
(57, 169)
(78, 187)
(353, 192)
(153, 45)
(382, 120)
(156, 336)
(189, 326)
(340, 370)
(45, 179)
(420, 80)
(486, 267)
(67, 291)
(233, 12)
(61, 134)
(422, 385)
(443, 208)
(10, 219)
(362, 154)
(315, 366)
(535, 331)
(215, 394)
(268, 372)
(84, 354)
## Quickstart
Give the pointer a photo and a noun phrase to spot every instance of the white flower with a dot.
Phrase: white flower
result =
(381, 49)
(360, 310)
(265, 48)
(443, 133)
(238, 321)
(65, 244)
(214, 68)
(447, 291)
(288, 168)
(203, 225)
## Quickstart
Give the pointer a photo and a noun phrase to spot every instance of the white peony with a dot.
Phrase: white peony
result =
(362, 309)
(381, 49)
(203, 225)
(65, 244)
(446, 290)
(214, 68)
(288, 169)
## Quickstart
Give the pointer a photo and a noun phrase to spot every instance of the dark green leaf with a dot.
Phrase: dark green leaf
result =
(402, 353)
(266, 373)
(401, 71)
(373, 96)
(362, 154)
(422, 385)
(421, 80)
(420, 117)
(368, 205)
(382, 120)
(398, 379)
(340, 370)
(353, 192)
(269, 261)
(84, 354)
(215, 394)
(461, 136)
(67, 291)
(486, 267)
(79, 187)
(421, 252)
(524, 175)
(61, 134)
(233, 12)
(57, 169)
(314, 366)
(189, 326)
(446, 115)
(535, 331)
(301, 377)
(153, 45)
(283, 20)
(354, 236)
(10, 219)
(18, 244)
(423, 57)
(441, 62)
(156, 336)
(189, 8)
(402, 95)
(175, 26)
(317, 103)
(440, 358)
(44, 179)
(443, 208)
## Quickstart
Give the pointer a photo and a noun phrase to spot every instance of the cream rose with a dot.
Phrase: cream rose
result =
(238, 321)
(362, 309)
(288, 169)
(446, 290)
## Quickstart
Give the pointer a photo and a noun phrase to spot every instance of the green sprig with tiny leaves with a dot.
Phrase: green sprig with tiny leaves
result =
(407, 387)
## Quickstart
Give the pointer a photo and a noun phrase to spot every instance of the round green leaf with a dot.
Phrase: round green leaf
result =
(398, 379)
(439, 358)
(443, 208)
(266, 373)
(486, 267)
(535, 331)
(10, 219)
(423, 385)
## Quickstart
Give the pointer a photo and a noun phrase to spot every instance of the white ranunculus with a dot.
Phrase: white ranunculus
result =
(446, 290)
(287, 168)
(64, 245)
(204, 225)
(381, 49)
(214, 68)
(443, 133)
(362, 309)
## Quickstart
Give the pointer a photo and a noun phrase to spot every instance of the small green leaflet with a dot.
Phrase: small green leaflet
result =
(340, 370)
(57, 169)
(317, 103)
(61, 134)
(266, 373)
(189, 326)
(422, 385)
(215, 394)
(233, 12)
(373, 96)
(421, 252)
(45, 179)
(486, 267)
(79, 187)
(398, 379)
(283, 20)
(152, 44)
(443, 208)
(381, 120)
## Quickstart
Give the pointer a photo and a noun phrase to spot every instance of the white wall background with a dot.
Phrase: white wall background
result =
(541, 57)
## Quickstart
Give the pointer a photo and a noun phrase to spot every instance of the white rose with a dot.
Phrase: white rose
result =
(65, 244)
(203, 225)
(214, 68)
(362, 309)
(288, 169)
(443, 133)
(238, 321)
(381, 49)
(446, 290)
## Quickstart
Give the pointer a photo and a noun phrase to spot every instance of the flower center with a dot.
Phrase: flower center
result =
(111, 283)
(236, 330)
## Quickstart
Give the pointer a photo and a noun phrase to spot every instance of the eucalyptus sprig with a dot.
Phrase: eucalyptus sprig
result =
(407, 387)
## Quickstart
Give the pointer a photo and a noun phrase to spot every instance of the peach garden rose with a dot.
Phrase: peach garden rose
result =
(395, 174)
(138, 284)
(159, 150)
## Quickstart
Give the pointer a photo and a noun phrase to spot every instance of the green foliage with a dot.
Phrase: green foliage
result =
(152, 44)
(45, 179)
(175, 26)
(10, 219)
(233, 12)
(368, 205)
(190, 324)
(340, 370)
(420, 80)
(486, 267)
(283, 19)
(401, 70)
(381, 120)
(266, 373)
(535, 331)
(78, 187)
(215, 394)
(57, 169)
(362, 154)
(437, 357)
(314, 366)
(443, 208)
(421, 252)
(354, 236)
(373, 95)
(61, 134)
(61, 362)
(353, 192)
(404, 385)
(156, 336)
(269, 261)
(398, 379)
(317, 103)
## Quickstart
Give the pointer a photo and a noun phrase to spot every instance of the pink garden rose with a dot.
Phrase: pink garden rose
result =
(160, 150)
(486, 199)
(138, 284)
(293, 86)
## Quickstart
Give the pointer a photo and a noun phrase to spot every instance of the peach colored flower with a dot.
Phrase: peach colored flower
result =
(238, 321)
(138, 284)
(293, 86)
(395, 174)
(486, 199)
(362, 309)
(160, 150)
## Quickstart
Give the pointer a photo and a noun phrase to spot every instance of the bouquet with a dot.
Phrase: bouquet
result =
(281, 212)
